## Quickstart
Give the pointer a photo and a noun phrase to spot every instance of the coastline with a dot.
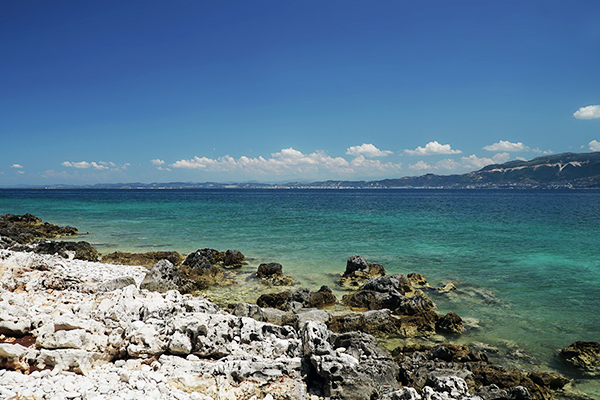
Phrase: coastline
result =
(46, 276)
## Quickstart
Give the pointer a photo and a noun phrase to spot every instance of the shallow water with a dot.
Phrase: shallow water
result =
(526, 263)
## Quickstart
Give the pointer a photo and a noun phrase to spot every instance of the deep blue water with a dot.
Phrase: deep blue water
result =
(527, 261)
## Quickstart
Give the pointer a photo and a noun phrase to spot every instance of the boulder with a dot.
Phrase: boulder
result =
(324, 297)
(233, 259)
(144, 259)
(584, 356)
(269, 270)
(163, 276)
(272, 273)
(451, 323)
(358, 271)
(274, 300)
(376, 294)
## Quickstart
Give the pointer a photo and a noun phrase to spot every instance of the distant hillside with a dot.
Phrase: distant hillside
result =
(576, 170)
(566, 170)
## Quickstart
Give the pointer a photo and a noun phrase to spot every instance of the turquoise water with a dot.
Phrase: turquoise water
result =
(526, 263)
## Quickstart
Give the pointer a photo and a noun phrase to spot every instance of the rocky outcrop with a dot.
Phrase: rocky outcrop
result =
(422, 365)
(272, 274)
(301, 298)
(227, 259)
(73, 250)
(583, 356)
(26, 228)
(358, 271)
(144, 259)
(347, 366)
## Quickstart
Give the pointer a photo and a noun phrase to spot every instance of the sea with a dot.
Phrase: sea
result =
(525, 263)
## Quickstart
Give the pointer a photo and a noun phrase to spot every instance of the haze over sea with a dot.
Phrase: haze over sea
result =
(526, 262)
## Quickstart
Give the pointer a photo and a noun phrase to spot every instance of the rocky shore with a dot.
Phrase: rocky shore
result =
(75, 328)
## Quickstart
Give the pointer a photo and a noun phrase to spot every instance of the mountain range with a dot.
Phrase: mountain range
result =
(565, 170)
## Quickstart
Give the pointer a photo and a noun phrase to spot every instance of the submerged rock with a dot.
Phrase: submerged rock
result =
(144, 259)
(584, 356)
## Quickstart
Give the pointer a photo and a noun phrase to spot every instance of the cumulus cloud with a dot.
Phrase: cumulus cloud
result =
(101, 165)
(367, 150)
(289, 162)
(594, 145)
(480, 162)
(433, 148)
(157, 162)
(16, 166)
(505, 145)
(420, 165)
(589, 112)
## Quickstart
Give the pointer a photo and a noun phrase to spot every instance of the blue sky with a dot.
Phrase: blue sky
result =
(272, 91)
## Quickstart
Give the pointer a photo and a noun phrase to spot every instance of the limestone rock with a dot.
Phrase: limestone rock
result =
(163, 276)
(417, 280)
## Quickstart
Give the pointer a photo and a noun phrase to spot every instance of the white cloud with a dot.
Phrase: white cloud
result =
(367, 150)
(20, 172)
(420, 165)
(505, 145)
(157, 162)
(589, 112)
(100, 165)
(521, 158)
(433, 148)
(480, 162)
(16, 166)
(290, 162)
(594, 145)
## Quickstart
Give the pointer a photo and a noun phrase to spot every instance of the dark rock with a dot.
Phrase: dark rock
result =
(163, 277)
(378, 322)
(269, 270)
(356, 263)
(144, 259)
(233, 259)
(551, 380)
(419, 364)
(584, 356)
(415, 305)
(201, 259)
(405, 285)
(78, 250)
(451, 322)
(272, 273)
(274, 300)
(26, 228)
(372, 300)
(358, 271)
(322, 298)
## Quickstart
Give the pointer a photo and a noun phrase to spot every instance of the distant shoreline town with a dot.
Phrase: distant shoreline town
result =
(559, 171)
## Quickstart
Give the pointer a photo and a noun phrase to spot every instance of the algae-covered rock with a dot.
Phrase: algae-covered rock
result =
(144, 259)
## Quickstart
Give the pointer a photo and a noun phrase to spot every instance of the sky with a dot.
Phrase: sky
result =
(278, 91)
